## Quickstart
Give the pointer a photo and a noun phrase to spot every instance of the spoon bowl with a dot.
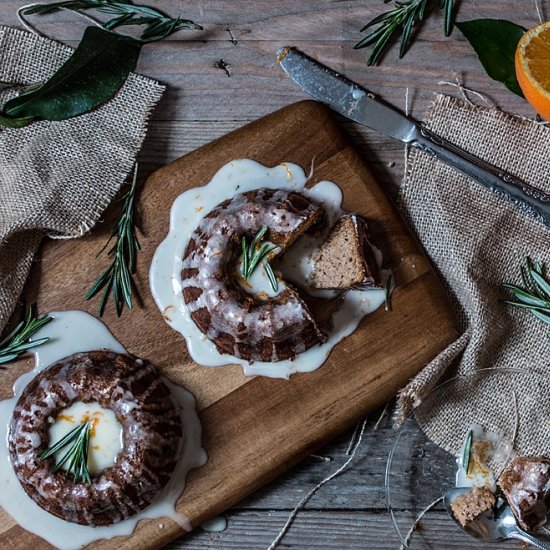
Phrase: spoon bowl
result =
(493, 525)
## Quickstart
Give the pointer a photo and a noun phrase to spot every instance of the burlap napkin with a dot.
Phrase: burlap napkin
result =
(476, 240)
(56, 178)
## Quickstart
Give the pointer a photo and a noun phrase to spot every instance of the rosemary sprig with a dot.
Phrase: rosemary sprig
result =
(467, 452)
(535, 294)
(118, 276)
(387, 292)
(253, 254)
(17, 341)
(76, 457)
(403, 17)
(157, 25)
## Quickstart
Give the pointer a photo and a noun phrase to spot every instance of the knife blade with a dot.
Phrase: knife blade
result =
(362, 106)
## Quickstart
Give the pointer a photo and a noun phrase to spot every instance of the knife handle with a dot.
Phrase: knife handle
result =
(534, 202)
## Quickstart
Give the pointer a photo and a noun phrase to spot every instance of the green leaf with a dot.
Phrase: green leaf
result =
(15, 122)
(92, 75)
(467, 452)
(495, 42)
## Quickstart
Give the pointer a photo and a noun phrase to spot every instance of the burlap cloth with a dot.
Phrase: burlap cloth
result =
(56, 178)
(477, 241)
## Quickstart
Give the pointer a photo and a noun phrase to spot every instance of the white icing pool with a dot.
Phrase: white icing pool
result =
(72, 332)
(191, 206)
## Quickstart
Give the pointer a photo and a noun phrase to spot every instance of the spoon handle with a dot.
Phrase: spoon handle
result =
(526, 537)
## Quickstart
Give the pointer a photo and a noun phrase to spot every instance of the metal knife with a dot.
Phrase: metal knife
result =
(360, 105)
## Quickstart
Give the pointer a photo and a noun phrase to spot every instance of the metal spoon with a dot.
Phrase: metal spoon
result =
(492, 526)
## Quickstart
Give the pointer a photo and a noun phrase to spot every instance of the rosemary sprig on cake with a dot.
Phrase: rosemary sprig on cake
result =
(253, 254)
(535, 293)
(403, 17)
(17, 341)
(76, 457)
(117, 278)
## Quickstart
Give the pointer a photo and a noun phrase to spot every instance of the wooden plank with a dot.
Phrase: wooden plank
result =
(332, 530)
(250, 20)
(284, 421)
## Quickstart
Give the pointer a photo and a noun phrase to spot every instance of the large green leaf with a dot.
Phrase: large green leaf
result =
(10, 122)
(495, 42)
(91, 76)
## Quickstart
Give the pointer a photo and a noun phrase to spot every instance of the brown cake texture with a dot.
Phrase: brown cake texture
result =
(469, 506)
(346, 259)
(526, 486)
(237, 323)
(152, 436)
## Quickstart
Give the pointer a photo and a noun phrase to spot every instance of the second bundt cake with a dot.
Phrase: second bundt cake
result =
(271, 329)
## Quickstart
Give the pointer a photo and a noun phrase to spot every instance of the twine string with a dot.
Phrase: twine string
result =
(414, 526)
(540, 15)
(464, 91)
(305, 499)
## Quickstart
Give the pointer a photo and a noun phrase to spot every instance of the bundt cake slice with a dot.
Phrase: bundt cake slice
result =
(469, 506)
(240, 325)
(526, 486)
(346, 259)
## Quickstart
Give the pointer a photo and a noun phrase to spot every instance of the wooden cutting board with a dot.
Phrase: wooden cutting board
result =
(256, 428)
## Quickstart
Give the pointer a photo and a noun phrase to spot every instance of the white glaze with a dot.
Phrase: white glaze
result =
(190, 207)
(483, 475)
(72, 332)
(215, 525)
(106, 439)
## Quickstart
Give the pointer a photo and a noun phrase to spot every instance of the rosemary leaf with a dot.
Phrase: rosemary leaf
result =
(447, 6)
(252, 255)
(117, 278)
(78, 441)
(157, 25)
(535, 296)
(271, 277)
(467, 452)
(17, 341)
(541, 283)
(387, 292)
(403, 17)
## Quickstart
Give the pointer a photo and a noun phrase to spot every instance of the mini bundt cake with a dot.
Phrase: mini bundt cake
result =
(526, 486)
(346, 259)
(152, 434)
(238, 324)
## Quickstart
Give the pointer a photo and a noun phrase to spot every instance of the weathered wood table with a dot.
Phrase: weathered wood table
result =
(204, 100)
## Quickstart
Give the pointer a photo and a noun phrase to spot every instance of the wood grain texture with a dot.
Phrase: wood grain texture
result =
(256, 428)
(201, 104)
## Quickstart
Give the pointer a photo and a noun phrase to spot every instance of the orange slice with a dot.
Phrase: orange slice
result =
(533, 68)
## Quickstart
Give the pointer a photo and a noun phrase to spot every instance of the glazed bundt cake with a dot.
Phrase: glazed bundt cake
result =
(271, 329)
(152, 433)
(526, 486)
